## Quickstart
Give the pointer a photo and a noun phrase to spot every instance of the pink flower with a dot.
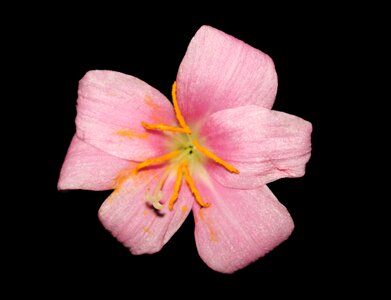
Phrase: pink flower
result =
(213, 154)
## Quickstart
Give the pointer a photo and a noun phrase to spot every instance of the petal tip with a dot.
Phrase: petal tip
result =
(60, 186)
(64, 183)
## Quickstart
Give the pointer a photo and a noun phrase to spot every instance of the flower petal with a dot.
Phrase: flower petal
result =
(256, 174)
(88, 168)
(111, 107)
(128, 215)
(219, 72)
(263, 145)
(239, 227)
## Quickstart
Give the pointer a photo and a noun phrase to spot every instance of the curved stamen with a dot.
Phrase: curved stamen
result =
(215, 158)
(162, 127)
(156, 203)
(178, 113)
(190, 183)
(177, 186)
(155, 197)
(157, 160)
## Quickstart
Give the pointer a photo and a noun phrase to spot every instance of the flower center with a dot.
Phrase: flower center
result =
(186, 155)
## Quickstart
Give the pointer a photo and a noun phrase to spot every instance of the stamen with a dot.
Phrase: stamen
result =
(163, 127)
(155, 197)
(178, 113)
(157, 160)
(157, 205)
(215, 158)
(177, 186)
(162, 181)
(190, 183)
(182, 153)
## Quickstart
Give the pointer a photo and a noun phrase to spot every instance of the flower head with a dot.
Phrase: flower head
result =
(212, 153)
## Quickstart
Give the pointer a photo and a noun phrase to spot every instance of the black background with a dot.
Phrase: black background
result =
(66, 241)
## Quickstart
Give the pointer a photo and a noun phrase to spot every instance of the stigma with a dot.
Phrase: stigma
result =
(186, 155)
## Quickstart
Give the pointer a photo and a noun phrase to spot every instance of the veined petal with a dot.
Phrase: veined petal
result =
(128, 215)
(263, 145)
(239, 227)
(110, 109)
(256, 174)
(219, 72)
(88, 168)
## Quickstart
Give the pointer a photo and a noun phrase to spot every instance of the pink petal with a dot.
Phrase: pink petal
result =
(129, 217)
(88, 168)
(263, 145)
(219, 72)
(239, 227)
(111, 107)
(256, 174)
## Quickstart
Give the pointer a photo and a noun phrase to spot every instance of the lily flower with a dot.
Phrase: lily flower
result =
(212, 152)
